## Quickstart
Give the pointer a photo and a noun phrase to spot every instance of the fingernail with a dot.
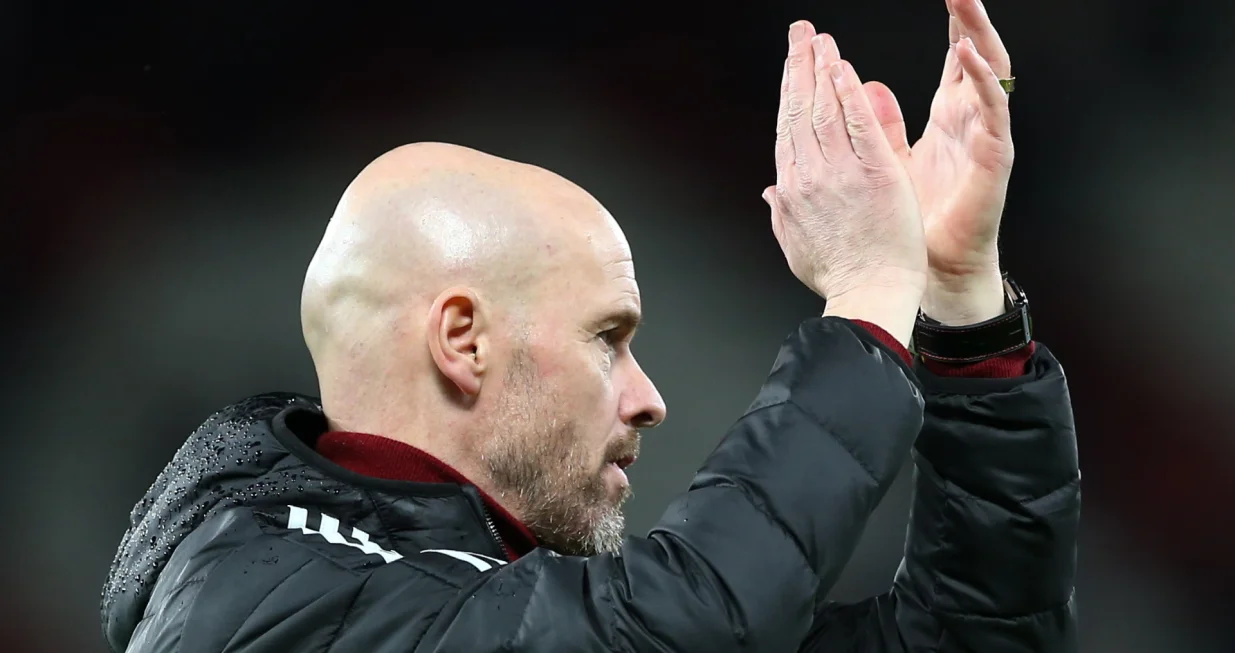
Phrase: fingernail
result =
(819, 45)
(838, 72)
(797, 31)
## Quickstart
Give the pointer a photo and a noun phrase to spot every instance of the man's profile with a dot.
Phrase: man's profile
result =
(458, 484)
(528, 287)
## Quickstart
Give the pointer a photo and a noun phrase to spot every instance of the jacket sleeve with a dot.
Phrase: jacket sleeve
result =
(990, 557)
(738, 561)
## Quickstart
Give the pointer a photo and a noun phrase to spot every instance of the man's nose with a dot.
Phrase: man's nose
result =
(645, 407)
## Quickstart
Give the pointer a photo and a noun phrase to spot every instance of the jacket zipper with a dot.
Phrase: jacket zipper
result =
(493, 531)
(474, 496)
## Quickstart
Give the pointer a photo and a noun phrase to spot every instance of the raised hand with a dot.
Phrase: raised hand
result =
(960, 167)
(843, 207)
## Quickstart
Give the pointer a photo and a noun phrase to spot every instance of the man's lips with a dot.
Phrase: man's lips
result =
(619, 466)
(625, 453)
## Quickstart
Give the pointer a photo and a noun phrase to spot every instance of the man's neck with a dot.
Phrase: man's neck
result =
(453, 444)
(378, 456)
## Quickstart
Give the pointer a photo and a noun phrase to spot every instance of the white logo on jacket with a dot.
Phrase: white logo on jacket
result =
(298, 520)
(478, 560)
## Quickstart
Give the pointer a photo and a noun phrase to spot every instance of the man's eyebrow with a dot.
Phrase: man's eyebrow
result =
(627, 318)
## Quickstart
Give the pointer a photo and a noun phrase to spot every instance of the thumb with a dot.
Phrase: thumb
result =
(778, 225)
(888, 112)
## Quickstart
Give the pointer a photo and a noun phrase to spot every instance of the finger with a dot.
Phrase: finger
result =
(955, 28)
(784, 140)
(976, 24)
(801, 96)
(952, 71)
(891, 119)
(865, 136)
(992, 99)
(827, 118)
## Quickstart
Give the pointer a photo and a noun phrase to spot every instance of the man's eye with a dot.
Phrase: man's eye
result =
(611, 337)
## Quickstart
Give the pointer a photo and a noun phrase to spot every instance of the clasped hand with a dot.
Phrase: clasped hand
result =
(876, 226)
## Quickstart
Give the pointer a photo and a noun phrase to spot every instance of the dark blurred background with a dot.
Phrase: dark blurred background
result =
(171, 166)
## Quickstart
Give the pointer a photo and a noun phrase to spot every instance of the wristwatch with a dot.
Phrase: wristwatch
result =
(973, 343)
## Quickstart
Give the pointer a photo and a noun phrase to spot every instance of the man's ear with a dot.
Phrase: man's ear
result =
(458, 339)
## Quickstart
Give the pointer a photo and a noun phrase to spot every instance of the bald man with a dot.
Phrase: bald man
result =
(445, 270)
(458, 485)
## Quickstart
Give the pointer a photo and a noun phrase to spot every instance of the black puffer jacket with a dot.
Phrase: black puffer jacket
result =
(251, 542)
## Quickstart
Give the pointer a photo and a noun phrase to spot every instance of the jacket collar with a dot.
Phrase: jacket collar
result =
(378, 463)
(381, 457)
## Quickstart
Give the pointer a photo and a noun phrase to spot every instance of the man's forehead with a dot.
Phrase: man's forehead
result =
(620, 268)
(600, 285)
(619, 303)
(595, 246)
(619, 272)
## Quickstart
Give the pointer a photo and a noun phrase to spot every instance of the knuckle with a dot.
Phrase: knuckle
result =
(857, 125)
(782, 194)
(807, 182)
(822, 118)
(797, 60)
(796, 108)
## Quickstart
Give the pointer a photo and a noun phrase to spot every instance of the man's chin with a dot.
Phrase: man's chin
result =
(602, 534)
(608, 532)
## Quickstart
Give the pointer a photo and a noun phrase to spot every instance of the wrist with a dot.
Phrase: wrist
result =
(892, 308)
(978, 343)
(960, 300)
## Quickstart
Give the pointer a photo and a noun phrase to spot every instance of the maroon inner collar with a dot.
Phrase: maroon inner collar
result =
(380, 457)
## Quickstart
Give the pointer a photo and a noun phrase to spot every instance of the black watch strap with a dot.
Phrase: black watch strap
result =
(977, 342)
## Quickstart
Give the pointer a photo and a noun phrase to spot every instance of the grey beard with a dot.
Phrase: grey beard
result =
(587, 532)
(533, 457)
(607, 533)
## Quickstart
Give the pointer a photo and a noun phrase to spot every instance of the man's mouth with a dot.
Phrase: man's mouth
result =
(619, 469)
(619, 464)
(624, 455)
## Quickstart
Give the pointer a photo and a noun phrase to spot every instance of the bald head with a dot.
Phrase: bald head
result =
(424, 219)
(482, 310)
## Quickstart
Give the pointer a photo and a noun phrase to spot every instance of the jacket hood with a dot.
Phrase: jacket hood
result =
(233, 458)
